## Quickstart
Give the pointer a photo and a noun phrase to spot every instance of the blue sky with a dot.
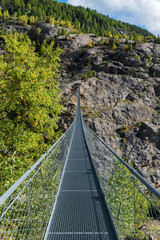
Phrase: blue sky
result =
(144, 13)
(65, 1)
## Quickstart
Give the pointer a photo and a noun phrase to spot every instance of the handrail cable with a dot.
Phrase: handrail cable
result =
(9, 192)
(132, 170)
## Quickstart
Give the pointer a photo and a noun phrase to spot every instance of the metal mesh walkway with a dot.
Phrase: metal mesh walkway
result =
(60, 197)
(80, 211)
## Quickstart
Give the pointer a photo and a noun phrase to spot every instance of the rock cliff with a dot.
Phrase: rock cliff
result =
(120, 91)
(122, 102)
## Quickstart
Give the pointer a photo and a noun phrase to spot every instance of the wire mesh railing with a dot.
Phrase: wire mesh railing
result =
(26, 207)
(133, 203)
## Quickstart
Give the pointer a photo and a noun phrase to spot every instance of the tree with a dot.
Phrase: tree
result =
(31, 19)
(19, 12)
(131, 47)
(157, 40)
(69, 25)
(39, 31)
(29, 7)
(15, 14)
(90, 44)
(1, 13)
(59, 32)
(3, 4)
(84, 20)
(90, 73)
(113, 45)
(94, 73)
(149, 58)
(29, 104)
(17, 3)
(51, 20)
(5, 15)
(84, 76)
(23, 19)
(63, 31)
(42, 49)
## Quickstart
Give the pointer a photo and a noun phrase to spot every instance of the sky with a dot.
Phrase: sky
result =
(143, 13)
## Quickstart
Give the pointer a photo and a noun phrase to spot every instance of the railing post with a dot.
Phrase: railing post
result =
(28, 217)
(134, 204)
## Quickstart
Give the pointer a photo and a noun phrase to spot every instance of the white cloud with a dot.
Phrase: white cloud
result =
(140, 12)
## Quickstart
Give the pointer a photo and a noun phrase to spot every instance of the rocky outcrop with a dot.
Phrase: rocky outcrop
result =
(156, 70)
(13, 25)
(125, 120)
(122, 103)
(45, 30)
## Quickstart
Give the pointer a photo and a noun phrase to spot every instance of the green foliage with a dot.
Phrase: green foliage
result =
(157, 40)
(39, 31)
(29, 104)
(137, 57)
(1, 13)
(92, 73)
(5, 15)
(113, 47)
(23, 19)
(134, 44)
(154, 74)
(89, 60)
(31, 19)
(52, 20)
(90, 44)
(59, 32)
(64, 31)
(84, 76)
(105, 62)
(128, 205)
(84, 20)
(149, 59)
(131, 47)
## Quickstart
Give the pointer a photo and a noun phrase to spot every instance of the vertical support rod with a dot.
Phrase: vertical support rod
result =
(134, 205)
(28, 220)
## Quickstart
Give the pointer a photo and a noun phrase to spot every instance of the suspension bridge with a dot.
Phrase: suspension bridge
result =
(80, 190)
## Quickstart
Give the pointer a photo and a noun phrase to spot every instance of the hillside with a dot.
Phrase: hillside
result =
(81, 19)
(120, 90)
(120, 96)
(29, 104)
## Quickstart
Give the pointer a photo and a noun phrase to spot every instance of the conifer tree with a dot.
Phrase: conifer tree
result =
(113, 45)
(85, 20)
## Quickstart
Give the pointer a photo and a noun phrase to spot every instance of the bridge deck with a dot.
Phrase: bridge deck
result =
(80, 211)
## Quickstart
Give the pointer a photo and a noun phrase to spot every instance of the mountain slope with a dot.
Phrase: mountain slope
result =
(120, 96)
(85, 20)
(120, 85)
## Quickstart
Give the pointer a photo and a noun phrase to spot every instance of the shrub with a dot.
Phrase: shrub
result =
(90, 44)
(84, 76)
(149, 58)
(114, 45)
(94, 73)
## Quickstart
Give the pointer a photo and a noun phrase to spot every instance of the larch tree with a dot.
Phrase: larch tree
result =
(29, 104)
